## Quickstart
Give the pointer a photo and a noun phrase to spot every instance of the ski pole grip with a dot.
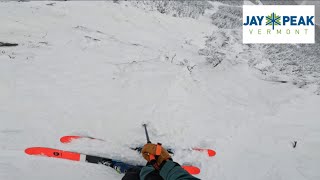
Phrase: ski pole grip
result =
(146, 131)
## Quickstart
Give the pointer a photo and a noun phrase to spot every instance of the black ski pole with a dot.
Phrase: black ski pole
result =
(146, 131)
(152, 159)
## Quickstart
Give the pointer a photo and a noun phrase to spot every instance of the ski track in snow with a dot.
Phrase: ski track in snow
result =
(105, 73)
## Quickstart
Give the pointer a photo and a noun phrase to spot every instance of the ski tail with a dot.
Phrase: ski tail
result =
(191, 169)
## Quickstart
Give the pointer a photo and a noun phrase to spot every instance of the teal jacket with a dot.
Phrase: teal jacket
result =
(169, 171)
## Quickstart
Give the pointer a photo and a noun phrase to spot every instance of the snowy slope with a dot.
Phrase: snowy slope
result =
(102, 69)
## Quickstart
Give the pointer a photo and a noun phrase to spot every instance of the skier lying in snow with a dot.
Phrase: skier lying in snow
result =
(159, 167)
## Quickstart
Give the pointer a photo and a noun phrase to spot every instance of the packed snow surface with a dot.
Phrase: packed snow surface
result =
(102, 69)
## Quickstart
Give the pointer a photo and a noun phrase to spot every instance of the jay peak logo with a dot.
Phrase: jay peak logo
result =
(274, 20)
(278, 24)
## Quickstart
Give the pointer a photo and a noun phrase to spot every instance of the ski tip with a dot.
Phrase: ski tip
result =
(192, 169)
(68, 139)
(31, 151)
(211, 153)
(38, 150)
(55, 153)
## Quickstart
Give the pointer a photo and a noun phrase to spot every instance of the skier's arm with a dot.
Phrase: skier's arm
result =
(169, 171)
(149, 173)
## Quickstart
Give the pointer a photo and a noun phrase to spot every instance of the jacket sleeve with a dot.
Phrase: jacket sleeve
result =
(169, 171)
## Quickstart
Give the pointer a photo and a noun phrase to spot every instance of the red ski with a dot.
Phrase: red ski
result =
(56, 153)
(69, 139)
(120, 166)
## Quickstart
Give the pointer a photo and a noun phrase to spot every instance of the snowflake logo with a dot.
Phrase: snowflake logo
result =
(273, 20)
